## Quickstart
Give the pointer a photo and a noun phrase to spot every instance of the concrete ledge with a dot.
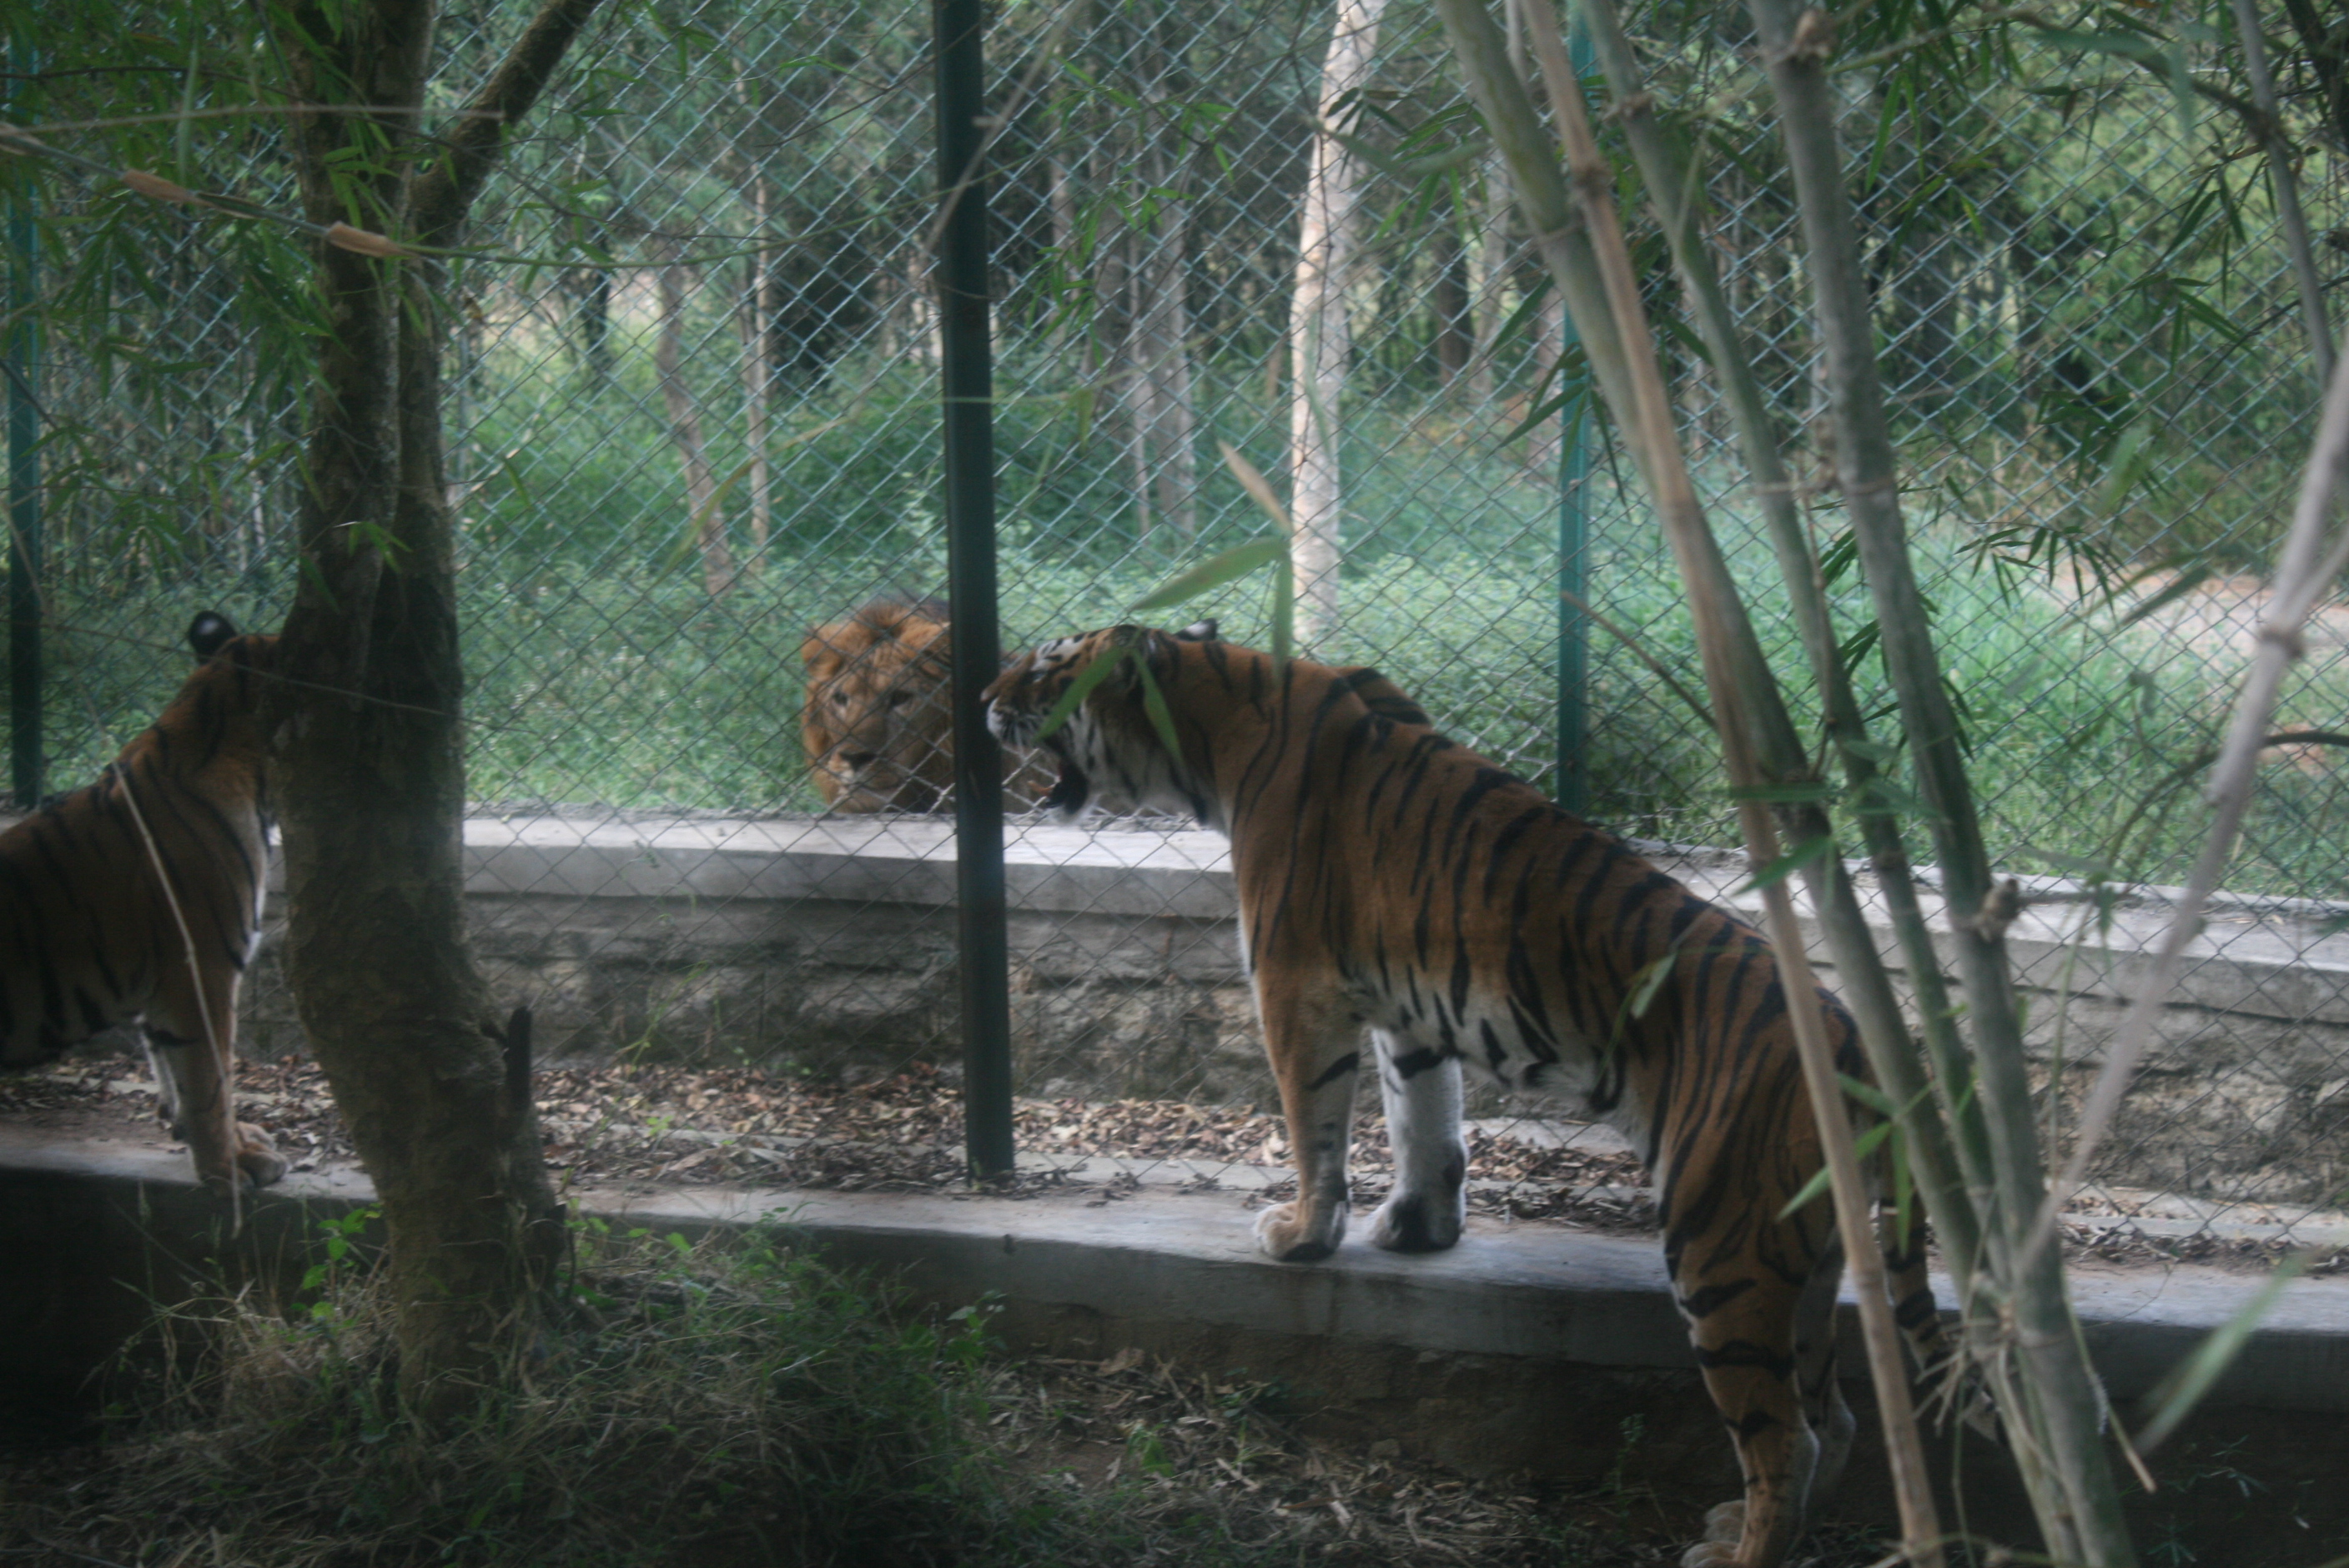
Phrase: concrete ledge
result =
(1530, 1350)
(885, 859)
(1534, 1292)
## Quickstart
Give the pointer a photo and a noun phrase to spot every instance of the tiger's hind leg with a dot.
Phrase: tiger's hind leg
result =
(1745, 1331)
(1814, 1368)
(1314, 1040)
(1429, 1205)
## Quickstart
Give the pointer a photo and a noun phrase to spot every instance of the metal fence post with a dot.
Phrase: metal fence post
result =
(24, 354)
(969, 387)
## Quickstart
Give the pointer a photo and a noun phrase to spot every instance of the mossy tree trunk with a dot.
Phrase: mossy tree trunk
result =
(370, 763)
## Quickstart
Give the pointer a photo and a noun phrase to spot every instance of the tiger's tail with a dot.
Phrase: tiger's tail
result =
(1950, 1382)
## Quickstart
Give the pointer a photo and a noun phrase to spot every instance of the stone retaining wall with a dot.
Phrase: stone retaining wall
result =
(828, 946)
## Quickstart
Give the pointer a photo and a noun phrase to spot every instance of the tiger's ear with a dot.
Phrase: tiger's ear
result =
(1197, 632)
(209, 633)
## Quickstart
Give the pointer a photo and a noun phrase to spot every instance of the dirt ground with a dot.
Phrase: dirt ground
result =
(1205, 1467)
(741, 1127)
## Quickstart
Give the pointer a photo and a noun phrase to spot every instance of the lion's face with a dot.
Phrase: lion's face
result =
(878, 725)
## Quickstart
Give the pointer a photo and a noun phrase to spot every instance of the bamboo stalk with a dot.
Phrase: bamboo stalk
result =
(2287, 191)
(1943, 1158)
(2303, 572)
(1733, 666)
(2075, 1498)
(1557, 234)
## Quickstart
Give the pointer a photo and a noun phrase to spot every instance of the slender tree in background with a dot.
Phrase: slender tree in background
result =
(1145, 255)
(370, 770)
(705, 519)
(1162, 313)
(1456, 339)
(758, 308)
(1318, 339)
(771, 117)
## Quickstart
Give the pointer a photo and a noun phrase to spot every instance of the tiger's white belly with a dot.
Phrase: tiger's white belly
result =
(1486, 1037)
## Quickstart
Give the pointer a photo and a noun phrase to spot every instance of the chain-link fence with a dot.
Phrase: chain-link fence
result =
(694, 429)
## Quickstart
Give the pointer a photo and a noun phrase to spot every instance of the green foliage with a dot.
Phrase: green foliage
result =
(626, 686)
(714, 1402)
(693, 1405)
(2074, 306)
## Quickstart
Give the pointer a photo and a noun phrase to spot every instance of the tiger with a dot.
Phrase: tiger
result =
(878, 721)
(90, 938)
(1392, 880)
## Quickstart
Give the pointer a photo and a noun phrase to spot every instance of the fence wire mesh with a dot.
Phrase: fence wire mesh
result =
(693, 421)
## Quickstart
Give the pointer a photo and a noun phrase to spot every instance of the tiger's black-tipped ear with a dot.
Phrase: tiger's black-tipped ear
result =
(1198, 631)
(209, 633)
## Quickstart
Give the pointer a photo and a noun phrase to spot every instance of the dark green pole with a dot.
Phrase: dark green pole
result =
(958, 28)
(1573, 550)
(24, 355)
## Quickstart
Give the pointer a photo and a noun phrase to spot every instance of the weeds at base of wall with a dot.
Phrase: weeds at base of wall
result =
(750, 1405)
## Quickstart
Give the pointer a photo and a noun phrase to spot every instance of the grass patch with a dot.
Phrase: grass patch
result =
(742, 1407)
(601, 674)
(745, 1404)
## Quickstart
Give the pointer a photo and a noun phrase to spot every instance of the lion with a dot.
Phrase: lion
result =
(878, 724)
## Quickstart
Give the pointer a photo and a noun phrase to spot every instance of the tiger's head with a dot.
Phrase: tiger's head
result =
(878, 725)
(216, 715)
(1110, 753)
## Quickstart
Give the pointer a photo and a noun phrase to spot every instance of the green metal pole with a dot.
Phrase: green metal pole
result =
(969, 384)
(1575, 426)
(24, 357)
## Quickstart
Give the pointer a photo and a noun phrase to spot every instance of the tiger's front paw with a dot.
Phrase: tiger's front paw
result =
(1283, 1235)
(257, 1156)
(1724, 1526)
(1417, 1223)
(1713, 1555)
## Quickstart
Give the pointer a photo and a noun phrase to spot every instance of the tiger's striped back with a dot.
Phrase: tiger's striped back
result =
(1394, 884)
(138, 898)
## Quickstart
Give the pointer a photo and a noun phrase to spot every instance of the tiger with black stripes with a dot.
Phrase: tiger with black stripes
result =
(138, 898)
(1394, 882)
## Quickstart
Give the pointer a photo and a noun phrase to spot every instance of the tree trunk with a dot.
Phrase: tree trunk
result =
(1545, 442)
(1163, 324)
(1494, 262)
(1454, 338)
(1162, 312)
(704, 520)
(1114, 328)
(370, 769)
(1490, 265)
(758, 304)
(1063, 201)
(1317, 335)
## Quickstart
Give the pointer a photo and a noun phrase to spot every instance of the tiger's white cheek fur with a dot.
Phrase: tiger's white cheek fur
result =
(1135, 776)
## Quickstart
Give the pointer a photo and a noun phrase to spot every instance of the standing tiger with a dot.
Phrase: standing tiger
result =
(1392, 879)
(140, 898)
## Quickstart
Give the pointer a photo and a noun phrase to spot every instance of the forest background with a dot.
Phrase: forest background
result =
(691, 413)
